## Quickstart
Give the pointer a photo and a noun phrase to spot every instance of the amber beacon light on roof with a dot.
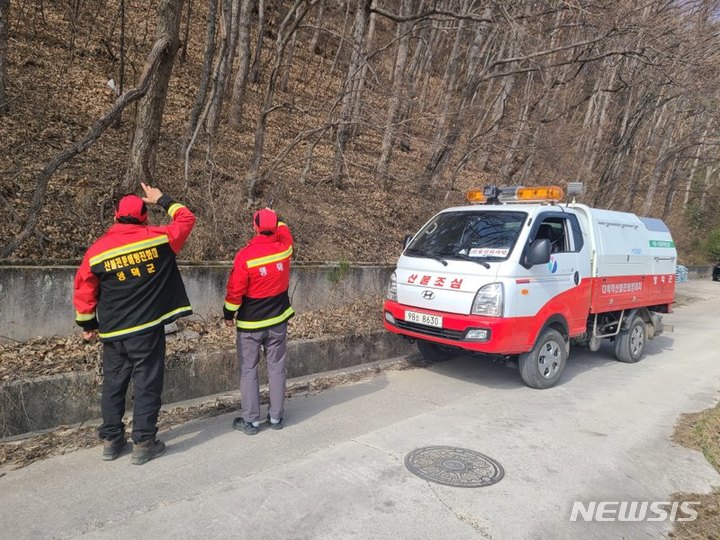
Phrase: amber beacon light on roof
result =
(515, 194)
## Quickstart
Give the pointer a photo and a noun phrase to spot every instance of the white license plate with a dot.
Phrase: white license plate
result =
(423, 318)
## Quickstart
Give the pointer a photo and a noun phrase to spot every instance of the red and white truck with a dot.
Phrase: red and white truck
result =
(524, 275)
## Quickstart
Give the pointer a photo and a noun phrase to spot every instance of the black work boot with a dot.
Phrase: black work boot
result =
(246, 427)
(112, 448)
(275, 425)
(146, 450)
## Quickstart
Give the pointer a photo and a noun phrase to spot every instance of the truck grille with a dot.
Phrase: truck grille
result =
(444, 333)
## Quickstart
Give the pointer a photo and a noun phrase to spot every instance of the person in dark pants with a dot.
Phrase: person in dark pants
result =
(128, 287)
(258, 305)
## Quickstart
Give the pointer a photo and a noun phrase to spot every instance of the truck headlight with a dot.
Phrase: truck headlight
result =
(488, 301)
(392, 288)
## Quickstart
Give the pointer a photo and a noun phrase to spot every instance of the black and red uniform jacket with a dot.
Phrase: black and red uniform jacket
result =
(129, 282)
(257, 289)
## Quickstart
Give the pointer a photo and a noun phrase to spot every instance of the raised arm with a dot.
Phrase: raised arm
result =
(283, 234)
(183, 219)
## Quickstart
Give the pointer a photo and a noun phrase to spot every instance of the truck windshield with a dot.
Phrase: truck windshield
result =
(468, 235)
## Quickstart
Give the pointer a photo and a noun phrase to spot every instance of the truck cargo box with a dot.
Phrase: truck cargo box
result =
(633, 260)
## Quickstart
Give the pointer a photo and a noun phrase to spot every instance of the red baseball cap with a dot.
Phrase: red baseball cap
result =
(131, 206)
(265, 220)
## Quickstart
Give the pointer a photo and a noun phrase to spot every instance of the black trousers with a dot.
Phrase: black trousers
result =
(141, 358)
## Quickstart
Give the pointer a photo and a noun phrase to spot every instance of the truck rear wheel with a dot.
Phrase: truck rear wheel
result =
(433, 352)
(630, 343)
(543, 366)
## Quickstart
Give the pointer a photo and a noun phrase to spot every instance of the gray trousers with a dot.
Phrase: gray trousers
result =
(274, 341)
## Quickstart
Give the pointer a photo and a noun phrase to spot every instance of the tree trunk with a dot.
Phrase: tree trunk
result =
(316, 31)
(285, 32)
(215, 79)
(226, 62)
(309, 155)
(255, 69)
(141, 162)
(344, 130)
(452, 121)
(359, 86)
(671, 189)
(238, 95)
(709, 182)
(665, 135)
(342, 35)
(121, 69)
(186, 34)
(396, 98)
(597, 142)
(287, 64)
(436, 43)
(210, 32)
(512, 151)
(4, 30)
(694, 167)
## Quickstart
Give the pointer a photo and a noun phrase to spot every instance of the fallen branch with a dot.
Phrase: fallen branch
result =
(161, 47)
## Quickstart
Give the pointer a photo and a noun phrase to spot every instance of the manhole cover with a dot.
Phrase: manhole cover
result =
(457, 467)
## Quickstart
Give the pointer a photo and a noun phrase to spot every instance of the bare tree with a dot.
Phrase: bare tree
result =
(396, 98)
(259, 43)
(350, 87)
(225, 68)
(4, 30)
(210, 33)
(341, 41)
(442, 138)
(287, 67)
(186, 34)
(359, 83)
(160, 50)
(292, 20)
(121, 67)
(317, 27)
(238, 95)
(141, 161)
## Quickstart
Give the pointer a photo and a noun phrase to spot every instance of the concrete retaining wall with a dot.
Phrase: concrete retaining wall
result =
(49, 401)
(699, 271)
(37, 301)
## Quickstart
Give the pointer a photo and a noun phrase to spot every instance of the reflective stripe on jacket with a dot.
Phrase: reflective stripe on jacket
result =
(257, 289)
(129, 281)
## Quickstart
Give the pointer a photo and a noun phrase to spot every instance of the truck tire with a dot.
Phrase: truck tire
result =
(630, 343)
(543, 366)
(433, 352)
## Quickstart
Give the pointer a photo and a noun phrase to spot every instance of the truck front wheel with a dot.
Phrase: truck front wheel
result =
(630, 343)
(543, 366)
(433, 352)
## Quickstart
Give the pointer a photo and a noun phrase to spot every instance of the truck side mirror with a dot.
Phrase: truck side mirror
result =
(406, 240)
(538, 252)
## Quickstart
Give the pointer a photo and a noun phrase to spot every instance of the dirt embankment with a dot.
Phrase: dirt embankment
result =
(48, 356)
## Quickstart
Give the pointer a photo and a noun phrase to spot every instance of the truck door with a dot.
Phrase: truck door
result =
(562, 286)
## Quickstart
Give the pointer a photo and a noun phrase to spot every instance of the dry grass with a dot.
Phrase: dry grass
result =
(701, 431)
(60, 90)
(49, 356)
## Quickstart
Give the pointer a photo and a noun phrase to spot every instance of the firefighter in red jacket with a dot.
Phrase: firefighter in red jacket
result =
(257, 303)
(127, 289)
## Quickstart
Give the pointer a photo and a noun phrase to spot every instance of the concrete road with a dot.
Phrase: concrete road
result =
(336, 470)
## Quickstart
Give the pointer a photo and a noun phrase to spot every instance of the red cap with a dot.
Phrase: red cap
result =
(131, 206)
(265, 220)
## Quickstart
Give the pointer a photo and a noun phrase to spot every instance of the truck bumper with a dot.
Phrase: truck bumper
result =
(460, 331)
